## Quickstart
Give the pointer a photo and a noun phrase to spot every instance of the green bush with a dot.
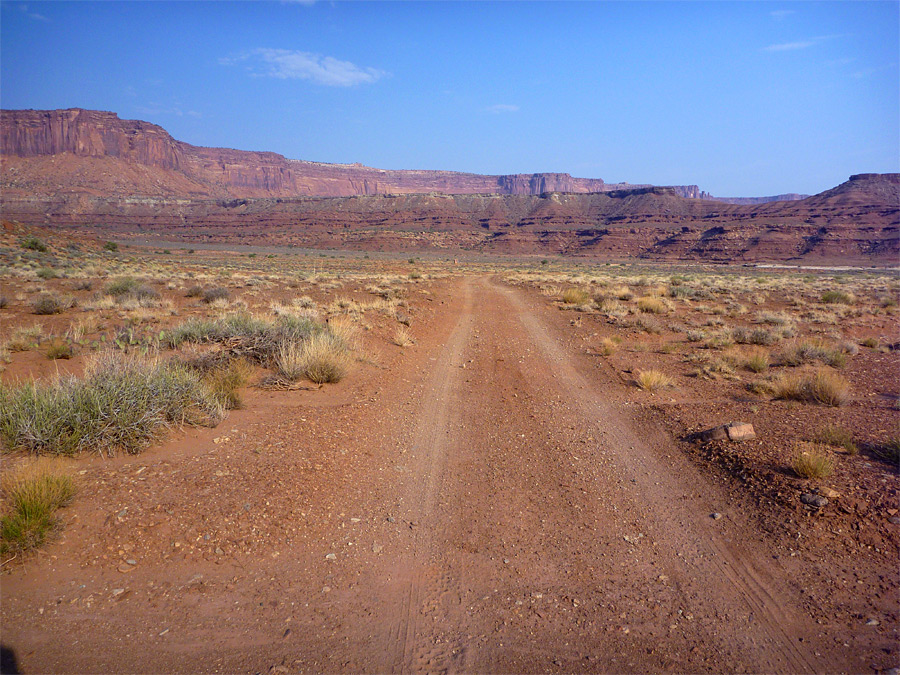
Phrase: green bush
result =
(111, 246)
(120, 404)
(34, 244)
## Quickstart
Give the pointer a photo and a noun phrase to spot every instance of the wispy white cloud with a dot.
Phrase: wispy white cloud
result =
(780, 14)
(32, 15)
(803, 44)
(502, 108)
(290, 64)
(789, 46)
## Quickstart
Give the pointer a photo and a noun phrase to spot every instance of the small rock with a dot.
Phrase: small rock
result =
(125, 568)
(828, 493)
(131, 561)
(219, 551)
(164, 632)
(390, 519)
(633, 540)
(872, 622)
(376, 548)
(287, 631)
(813, 500)
(740, 431)
(896, 521)
(117, 591)
(506, 561)
(715, 516)
(326, 589)
(331, 556)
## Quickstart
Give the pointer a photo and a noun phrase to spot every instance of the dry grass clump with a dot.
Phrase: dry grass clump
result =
(24, 338)
(653, 380)
(838, 437)
(321, 358)
(652, 305)
(224, 382)
(821, 386)
(798, 352)
(402, 337)
(756, 360)
(59, 349)
(32, 493)
(121, 404)
(754, 336)
(608, 346)
(212, 295)
(813, 460)
(710, 367)
(838, 297)
(46, 304)
(575, 296)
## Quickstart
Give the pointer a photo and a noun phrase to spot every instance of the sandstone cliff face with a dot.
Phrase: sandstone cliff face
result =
(35, 134)
(87, 133)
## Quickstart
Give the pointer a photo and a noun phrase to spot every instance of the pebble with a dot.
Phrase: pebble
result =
(117, 591)
(125, 568)
(813, 500)
(131, 561)
(715, 516)
(164, 632)
(376, 548)
(331, 556)
(896, 521)
(872, 622)
(828, 493)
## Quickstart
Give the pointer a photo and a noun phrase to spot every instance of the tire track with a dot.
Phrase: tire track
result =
(428, 452)
(704, 553)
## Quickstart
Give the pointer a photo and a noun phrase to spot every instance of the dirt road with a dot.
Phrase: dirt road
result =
(486, 502)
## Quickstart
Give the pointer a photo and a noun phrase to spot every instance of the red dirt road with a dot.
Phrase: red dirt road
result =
(483, 502)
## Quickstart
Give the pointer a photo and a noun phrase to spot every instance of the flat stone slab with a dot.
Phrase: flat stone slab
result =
(733, 431)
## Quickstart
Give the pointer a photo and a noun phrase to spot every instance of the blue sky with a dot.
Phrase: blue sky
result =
(742, 99)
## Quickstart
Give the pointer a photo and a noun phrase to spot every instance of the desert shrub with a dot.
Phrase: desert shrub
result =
(120, 404)
(774, 318)
(194, 291)
(712, 367)
(4, 301)
(837, 436)
(110, 246)
(757, 360)
(46, 273)
(652, 305)
(59, 349)
(805, 351)
(33, 493)
(652, 380)
(753, 336)
(225, 380)
(694, 335)
(82, 285)
(838, 297)
(889, 450)
(813, 460)
(871, 343)
(33, 244)
(121, 286)
(210, 295)
(46, 304)
(649, 324)
(821, 386)
(575, 296)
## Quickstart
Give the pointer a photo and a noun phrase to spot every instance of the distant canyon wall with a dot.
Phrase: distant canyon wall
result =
(222, 172)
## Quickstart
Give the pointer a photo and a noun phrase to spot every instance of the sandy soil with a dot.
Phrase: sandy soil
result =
(488, 500)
